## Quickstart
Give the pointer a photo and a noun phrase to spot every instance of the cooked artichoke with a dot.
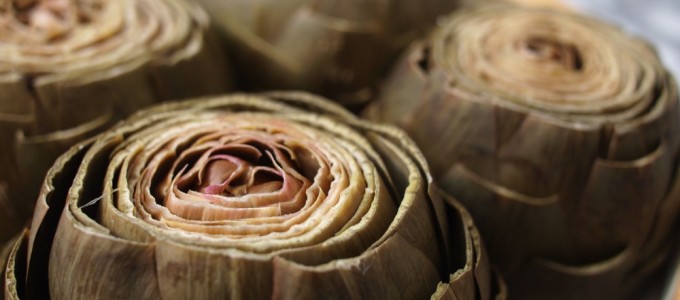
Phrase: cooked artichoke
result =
(339, 48)
(279, 196)
(69, 68)
(559, 133)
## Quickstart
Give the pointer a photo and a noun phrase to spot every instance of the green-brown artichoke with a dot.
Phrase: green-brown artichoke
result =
(69, 68)
(280, 196)
(559, 133)
(335, 47)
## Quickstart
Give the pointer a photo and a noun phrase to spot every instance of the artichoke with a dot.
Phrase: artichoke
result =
(69, 68)
(559, 133)
(336, 47)
(281, 195)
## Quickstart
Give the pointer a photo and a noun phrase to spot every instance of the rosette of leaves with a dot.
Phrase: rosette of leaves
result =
(70, 67)
(281, 195)
(339, 48)
(559, 133)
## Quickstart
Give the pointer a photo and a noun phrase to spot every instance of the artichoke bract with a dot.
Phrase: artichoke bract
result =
(280, 195)
(69, 68)
(559, 133)
(339, 48)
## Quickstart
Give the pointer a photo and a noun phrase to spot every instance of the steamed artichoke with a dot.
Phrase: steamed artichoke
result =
(339, 48)
(279, 196)
(559, 133)
(70, 67)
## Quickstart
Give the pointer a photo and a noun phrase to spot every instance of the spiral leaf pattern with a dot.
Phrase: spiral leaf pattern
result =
(68, 68)
(280, 195)
(558, 132)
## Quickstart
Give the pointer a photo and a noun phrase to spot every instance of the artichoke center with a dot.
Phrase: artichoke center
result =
(231, 175)
(543, 48)
(52, 20)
